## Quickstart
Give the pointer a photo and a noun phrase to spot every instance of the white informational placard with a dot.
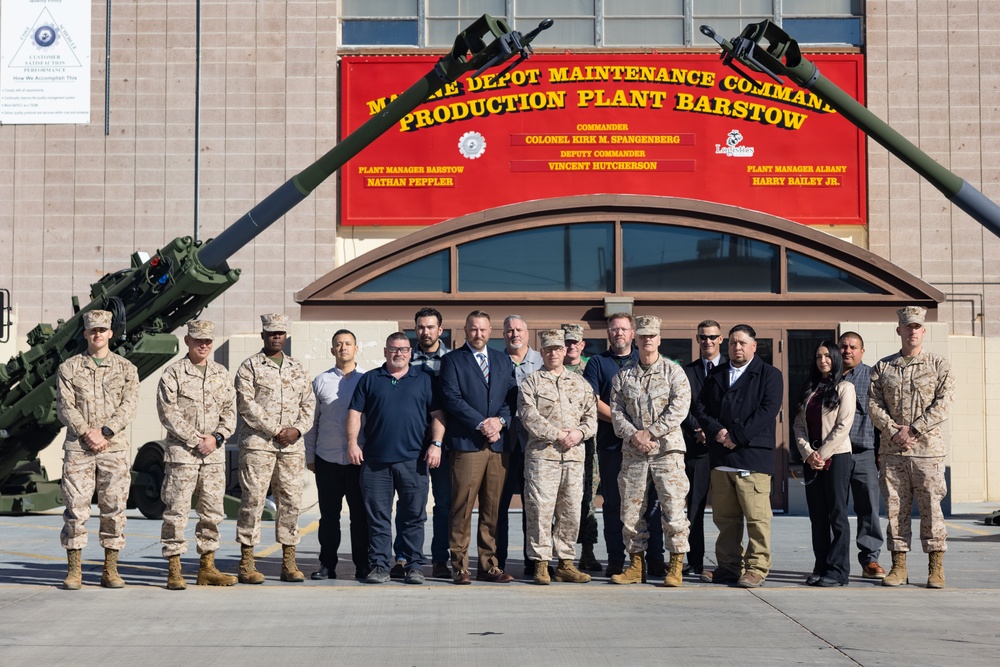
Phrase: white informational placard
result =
(44, 61)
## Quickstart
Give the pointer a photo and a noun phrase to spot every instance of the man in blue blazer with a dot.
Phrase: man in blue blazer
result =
(737, 409)
(477, 386)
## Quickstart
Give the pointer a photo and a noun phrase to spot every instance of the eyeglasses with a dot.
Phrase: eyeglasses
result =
(398, 350)
(620, 330)
(705, 337)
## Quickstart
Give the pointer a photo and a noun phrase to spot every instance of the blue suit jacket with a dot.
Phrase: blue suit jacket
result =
(468, 400)
(747, 410)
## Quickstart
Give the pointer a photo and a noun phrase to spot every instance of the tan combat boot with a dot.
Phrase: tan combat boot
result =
(209, 576)
(541, 573)
(248, 573)
(935, 570)
(74, 575)
(110, 578)
(897, 575)
(175, 580)
(634, 574)
(289, 570)
(675, 571)
(568, 572)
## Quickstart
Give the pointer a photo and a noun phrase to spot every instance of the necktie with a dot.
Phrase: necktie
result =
(708, 366)
(484, 365)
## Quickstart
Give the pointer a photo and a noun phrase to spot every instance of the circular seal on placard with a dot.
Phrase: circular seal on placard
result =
(472, 145)
(45, 36)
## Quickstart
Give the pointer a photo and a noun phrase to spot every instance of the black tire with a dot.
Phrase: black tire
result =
(145, 492)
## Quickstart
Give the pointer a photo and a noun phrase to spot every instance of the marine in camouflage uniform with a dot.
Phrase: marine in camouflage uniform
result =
(97, 393)
(649, 400)
(275, 399)
(197, 406)
(573, 333)
(910, 398)
(558, 411)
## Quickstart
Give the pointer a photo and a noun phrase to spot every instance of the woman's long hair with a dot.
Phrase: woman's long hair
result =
(831, 398)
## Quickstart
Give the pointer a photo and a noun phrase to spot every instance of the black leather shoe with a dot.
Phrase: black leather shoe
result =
(827, 582)
(812, 579)
(323, 573)
(656, 568)
(439, 570)
(398, 570)
(613, 569)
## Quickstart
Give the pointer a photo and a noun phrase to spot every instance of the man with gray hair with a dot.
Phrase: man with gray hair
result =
(275, 398)
(97, 393)
(910, 398)
(197, 407)
(526, 361)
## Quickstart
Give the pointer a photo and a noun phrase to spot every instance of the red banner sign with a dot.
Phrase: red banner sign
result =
(671, 125)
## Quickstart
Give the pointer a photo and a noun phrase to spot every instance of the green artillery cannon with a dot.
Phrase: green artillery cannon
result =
(780, 56)
(157, 295)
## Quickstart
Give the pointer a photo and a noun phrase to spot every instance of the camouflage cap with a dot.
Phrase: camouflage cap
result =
(274, 322)
(647, 325)
(572, 331)
(97, 319)
(911, 315)
(552, 338)
(201, 329)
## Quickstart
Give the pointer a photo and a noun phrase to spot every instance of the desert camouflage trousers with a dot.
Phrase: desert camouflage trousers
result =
(902, 479)
(552, 490)
(81, 473)
(283, 472)
(670, 480)
(181, 481)
(591, 480)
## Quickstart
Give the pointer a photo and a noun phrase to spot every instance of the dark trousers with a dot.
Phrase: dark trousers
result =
(441, 515)
(865, 492)
(699, 474)
(609, 461)
(379, 483)
(826, 496)
(334, 482)
(513, 484)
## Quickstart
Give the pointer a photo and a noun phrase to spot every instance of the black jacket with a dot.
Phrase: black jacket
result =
(695, 372)
(748, 410)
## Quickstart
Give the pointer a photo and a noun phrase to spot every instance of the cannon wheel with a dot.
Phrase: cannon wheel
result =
(145, 491)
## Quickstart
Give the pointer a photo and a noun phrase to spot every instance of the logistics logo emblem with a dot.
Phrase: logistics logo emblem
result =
(472, 145)
(46, 36)
(733, 148)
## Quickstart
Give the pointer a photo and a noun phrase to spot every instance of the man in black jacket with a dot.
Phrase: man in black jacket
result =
(696, 462)
(737, 409)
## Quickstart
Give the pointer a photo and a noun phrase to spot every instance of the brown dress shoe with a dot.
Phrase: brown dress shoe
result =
(750, 579)
(872, 571)
(461, 578)
(496, 575)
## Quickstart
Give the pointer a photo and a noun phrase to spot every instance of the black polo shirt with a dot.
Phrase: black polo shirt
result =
(600, 371)
(396, 413)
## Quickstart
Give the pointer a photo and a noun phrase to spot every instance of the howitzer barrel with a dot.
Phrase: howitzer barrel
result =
(470, 53)
(782, 57)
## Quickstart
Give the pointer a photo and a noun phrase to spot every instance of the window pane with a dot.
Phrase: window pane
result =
(734, 7)
(557, 8)
(442, 32)
(562, 258)
(643, 32)
(661, 258)
(380, 33)
(427, 274)
(821, 7)
(806, 274)
(676, 349)
(564, 32)
(728, 28)
(415, 343)
(467, 8)
(644, 7)
(379, 8)
(824, 31)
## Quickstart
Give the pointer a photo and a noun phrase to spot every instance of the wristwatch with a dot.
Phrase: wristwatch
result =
(503, 422)
(219, 440)
(435, 443)
(107, 432)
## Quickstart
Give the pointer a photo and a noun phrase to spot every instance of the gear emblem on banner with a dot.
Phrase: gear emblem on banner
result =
(472, 145)
(45, 36)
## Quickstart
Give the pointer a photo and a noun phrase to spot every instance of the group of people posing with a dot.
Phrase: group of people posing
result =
(478, 425)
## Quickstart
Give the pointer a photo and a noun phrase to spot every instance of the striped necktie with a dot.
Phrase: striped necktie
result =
(484, 366)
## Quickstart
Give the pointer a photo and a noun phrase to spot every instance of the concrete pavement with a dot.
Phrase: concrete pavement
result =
(346, 622)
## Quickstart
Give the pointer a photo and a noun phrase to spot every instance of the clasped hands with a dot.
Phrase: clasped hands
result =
(904, 437)
(491, 427)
